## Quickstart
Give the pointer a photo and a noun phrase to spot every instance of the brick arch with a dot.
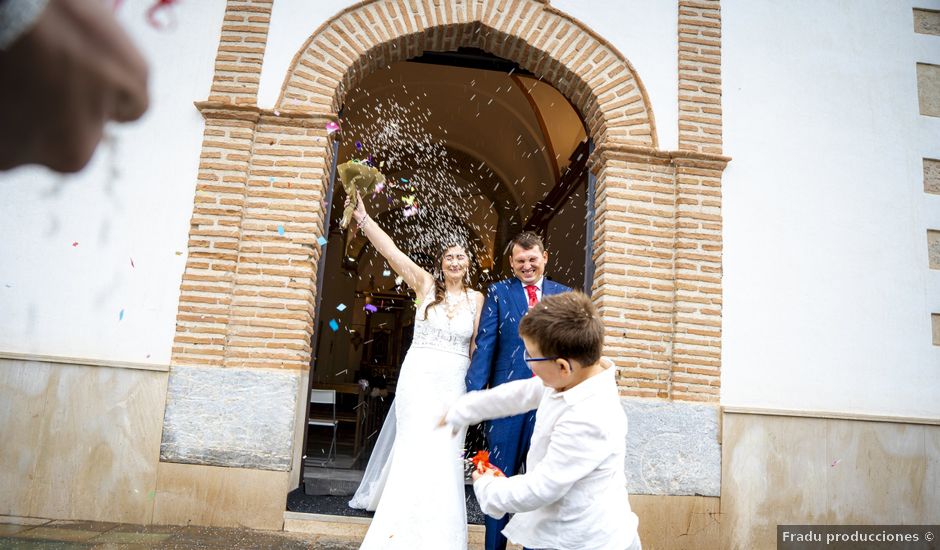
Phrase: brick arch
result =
(598, 80)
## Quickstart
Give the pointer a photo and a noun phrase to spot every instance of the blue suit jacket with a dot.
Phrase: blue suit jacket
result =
(499, 350)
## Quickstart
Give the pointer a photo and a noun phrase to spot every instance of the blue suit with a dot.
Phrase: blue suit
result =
(499, 359)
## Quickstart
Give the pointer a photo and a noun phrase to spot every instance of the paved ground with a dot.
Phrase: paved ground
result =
(69, 535)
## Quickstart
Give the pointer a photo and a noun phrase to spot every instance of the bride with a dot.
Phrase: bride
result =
(415, 477)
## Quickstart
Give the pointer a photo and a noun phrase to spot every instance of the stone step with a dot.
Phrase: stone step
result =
(354, 529)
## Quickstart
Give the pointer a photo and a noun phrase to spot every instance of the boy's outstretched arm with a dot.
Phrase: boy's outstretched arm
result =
(507, 399)
(570, 457)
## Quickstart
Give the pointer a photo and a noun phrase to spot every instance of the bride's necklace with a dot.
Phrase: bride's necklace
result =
(453, 305)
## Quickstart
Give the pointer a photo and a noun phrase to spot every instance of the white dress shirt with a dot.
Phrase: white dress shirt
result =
(538, 290)
(573, 495)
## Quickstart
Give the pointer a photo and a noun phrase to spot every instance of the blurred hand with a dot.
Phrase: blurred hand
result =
(75, 70)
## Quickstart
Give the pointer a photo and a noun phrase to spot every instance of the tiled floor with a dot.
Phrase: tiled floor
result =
(29, 533)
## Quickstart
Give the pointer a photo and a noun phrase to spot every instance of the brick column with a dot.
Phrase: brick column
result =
(634, 249)
(696, 370)
(700, 76)
(275, 284)
(238, 415)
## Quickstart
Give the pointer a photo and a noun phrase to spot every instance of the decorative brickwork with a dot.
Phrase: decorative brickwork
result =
(700, 76)
(248, 290)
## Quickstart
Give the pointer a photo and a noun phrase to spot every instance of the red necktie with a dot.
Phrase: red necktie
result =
(533, 297)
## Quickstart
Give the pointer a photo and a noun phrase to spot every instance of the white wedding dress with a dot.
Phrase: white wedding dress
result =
(415, 477)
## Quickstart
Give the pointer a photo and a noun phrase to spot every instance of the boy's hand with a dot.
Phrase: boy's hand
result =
(477, 474)
(443, 424)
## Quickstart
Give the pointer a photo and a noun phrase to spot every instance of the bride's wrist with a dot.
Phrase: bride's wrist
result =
(363, 221)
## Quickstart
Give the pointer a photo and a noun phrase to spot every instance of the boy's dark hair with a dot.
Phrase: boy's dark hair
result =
(527, 240)
(565, 325)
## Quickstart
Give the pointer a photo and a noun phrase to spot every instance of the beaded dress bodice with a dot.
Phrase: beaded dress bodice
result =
(449, 324)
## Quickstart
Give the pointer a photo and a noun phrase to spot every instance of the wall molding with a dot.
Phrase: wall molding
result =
(831, 415)
(82, 361)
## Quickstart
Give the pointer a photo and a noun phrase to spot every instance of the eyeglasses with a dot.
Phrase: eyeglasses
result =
(528, 359)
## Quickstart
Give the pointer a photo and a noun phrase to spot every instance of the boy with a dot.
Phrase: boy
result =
(573, 495)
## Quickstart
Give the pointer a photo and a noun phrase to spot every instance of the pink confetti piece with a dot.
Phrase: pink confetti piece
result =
(371, 308)
(158, 6)
(332, 128)
(75, 244)
(833, 465)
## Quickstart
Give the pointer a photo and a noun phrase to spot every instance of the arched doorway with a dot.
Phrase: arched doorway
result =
(247, 303)
(487, 150)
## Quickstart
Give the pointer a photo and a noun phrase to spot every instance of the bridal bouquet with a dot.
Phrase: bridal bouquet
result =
(481, 461)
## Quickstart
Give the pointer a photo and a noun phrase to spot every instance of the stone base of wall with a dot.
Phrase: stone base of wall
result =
(79, 442)
(678, 522)
(786, 470)
(220, 497)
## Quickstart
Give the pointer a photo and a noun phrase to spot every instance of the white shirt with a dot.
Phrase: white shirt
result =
(573, 494)
(538, 290)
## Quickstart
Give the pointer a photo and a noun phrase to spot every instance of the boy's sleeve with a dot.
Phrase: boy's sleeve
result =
(507, 399)
(576, 449)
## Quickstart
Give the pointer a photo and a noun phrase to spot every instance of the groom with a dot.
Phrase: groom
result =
(499, 357)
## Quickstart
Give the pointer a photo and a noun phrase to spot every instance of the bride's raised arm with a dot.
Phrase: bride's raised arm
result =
(418, 279)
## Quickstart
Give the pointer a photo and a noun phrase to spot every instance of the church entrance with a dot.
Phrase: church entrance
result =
(472, 147)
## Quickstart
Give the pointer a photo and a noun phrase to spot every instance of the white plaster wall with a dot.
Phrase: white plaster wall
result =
(827, 287)
(133, 201)
(643, 30)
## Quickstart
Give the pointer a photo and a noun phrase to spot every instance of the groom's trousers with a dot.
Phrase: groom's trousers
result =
(508, 440)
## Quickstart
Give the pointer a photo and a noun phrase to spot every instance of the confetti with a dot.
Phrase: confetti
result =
(836, 462)
(331, 128)
(271, 179)
(277, 113)
(370, 308)
(334, 325)
(403, 180)
(121, 315)
(158, 6)
(409, 200)
(359, 146)
(75, 244)
(410, 211)
(178, 253)
(132, 263)
(321, 240)
(280, 230)
(398, 280)
(386, 273)
(341, 307)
